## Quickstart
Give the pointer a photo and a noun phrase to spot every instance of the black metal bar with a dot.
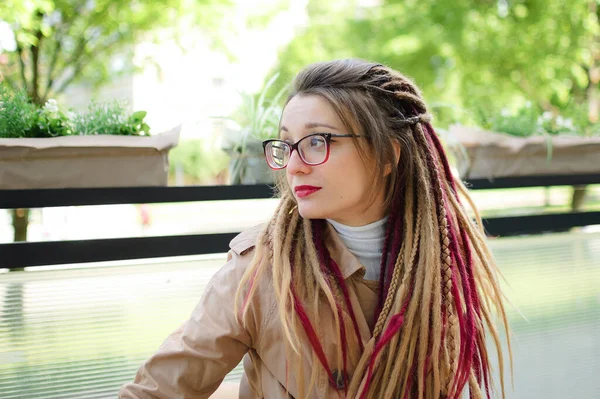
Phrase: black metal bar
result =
(19, 255)
(25, 254)
(533, 181)
(535, 224)
(42, 198)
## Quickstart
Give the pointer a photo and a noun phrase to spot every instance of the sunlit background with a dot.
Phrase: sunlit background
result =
(522, 68)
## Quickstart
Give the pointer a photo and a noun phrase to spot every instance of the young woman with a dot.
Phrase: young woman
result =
(370, 280)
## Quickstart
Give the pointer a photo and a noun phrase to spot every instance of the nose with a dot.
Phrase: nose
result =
(296, 165)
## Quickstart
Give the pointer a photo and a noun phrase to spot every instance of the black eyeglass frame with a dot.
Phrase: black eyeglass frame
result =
(326, 136)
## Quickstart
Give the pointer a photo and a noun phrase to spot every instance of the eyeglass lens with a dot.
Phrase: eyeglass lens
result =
(312, 149)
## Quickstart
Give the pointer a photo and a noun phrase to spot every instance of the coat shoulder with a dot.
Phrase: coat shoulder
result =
(246, 240)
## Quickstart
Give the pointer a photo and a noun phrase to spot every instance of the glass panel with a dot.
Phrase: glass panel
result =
(554, 283)
(83, 333)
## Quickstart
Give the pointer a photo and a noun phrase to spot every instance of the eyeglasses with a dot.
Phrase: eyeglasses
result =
(313, 149)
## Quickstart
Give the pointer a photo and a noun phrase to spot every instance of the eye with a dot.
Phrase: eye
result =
(317, 141)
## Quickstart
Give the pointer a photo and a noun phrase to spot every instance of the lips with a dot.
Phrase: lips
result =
(305, 191)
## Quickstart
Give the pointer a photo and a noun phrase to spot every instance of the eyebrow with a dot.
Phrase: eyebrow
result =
(312, 125)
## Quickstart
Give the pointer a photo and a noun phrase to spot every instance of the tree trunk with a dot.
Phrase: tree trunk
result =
(20, 220)
(579, 192)
(578, 198)
(594, 70)
(20, 217)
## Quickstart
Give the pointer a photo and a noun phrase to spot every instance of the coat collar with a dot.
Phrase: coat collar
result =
(348, 263)
(345, 259)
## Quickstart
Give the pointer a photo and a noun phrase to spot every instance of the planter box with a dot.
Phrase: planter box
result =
(86, 161)
(483, 154)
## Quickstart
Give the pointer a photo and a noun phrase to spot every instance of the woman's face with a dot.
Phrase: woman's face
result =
(341, 188)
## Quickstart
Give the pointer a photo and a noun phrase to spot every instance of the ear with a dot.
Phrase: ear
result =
(397, 151)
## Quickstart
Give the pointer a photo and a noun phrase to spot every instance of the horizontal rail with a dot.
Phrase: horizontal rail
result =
(42, 198)
(20, 255)
(533, 181)
(24, 254)
(541, 223)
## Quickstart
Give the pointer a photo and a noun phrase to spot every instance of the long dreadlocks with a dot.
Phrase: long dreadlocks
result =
(438, 284)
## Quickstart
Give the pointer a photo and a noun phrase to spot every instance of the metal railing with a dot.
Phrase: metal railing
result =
(24, 254)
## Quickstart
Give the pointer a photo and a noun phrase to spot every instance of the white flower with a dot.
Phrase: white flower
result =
(547, 115)
(505, 112)
(51, 106)
(560, 120)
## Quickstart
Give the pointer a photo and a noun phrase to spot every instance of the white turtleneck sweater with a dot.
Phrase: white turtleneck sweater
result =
(366, 243)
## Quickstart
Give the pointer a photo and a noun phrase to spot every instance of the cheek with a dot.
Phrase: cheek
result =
(289, 178)
(344, 187)
(358, 189)
(357, 178)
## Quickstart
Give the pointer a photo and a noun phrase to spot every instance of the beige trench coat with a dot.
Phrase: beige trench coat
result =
(194, 359)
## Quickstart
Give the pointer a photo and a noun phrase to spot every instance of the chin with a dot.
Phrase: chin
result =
(310, 211)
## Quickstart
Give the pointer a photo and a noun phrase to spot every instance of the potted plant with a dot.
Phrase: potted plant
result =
(526, 143)
(197, 162)
(255, 121)
(43, 147)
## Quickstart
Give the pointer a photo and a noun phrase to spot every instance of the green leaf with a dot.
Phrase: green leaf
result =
(139, 115)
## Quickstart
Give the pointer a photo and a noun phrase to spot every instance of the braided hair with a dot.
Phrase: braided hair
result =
(438, 283)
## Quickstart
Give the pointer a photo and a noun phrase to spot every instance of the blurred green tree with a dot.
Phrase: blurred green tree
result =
(479, 56)
(61, 42)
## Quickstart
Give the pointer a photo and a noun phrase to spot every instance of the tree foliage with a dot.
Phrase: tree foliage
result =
(477, 55)
(60, 42)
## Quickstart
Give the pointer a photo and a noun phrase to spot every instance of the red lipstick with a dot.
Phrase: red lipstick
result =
(305, 191)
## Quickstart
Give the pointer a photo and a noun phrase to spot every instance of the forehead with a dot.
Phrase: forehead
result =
(311, 109)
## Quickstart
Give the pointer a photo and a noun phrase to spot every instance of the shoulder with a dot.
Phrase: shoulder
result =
(239, 257)
(241, 254)
(245, 242)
